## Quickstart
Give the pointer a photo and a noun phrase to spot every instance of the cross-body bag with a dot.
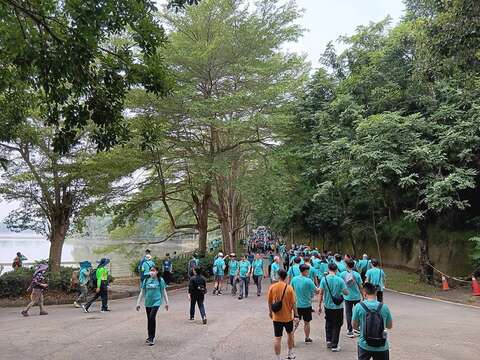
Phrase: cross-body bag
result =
(337, 300)
(277, 305)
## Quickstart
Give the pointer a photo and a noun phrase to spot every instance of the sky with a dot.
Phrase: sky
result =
(325, 20)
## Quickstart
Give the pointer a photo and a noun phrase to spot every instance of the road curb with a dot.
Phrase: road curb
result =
(434, 299)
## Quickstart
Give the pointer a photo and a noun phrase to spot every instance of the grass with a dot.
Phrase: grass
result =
(409, 282)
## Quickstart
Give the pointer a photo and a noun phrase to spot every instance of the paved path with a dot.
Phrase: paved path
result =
(237, 330)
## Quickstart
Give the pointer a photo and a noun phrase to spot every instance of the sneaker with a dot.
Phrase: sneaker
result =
(214, 292)
(151, 342)
(192, 319)
(102, 311)
(336, 349)
(43, 313)
(329, 345)
(204, 321)
(356, 332)
(76, 304)
(219, 293)
(107, 310)
(308, 341)
(147, 340)
(258, 294)
(25, 313)
(85, 309)
(350, 334)
(291, 356)
(240, 297)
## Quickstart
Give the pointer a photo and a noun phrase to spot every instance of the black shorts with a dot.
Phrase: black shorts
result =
(305, 314)
(278, 327)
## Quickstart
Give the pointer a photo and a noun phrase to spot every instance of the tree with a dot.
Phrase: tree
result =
(233, 85)
(67, 58)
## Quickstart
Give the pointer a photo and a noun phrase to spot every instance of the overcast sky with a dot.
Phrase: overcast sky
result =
(325, 21)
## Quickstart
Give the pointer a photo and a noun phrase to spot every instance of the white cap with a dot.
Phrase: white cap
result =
(220, 254)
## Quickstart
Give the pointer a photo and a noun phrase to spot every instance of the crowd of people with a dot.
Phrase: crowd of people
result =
(346, 288)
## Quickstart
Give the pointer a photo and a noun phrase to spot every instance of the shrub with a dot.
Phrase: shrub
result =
(179, 266)
(16, 283)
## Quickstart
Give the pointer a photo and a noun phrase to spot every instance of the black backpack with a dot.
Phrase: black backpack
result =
(93, 279)
(374, 328)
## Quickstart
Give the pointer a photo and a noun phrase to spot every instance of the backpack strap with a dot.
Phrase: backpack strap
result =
(365, 307)
(379, 308)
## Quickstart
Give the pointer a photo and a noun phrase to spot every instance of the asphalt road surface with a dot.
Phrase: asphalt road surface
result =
(237, 330)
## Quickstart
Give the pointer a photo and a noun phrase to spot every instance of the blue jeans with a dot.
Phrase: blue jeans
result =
(197, 300)
(244, 286)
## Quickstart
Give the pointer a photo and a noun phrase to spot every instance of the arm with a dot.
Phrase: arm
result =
(320, 300)
(165, 295)
(356, 325)
(139, 298)
(99, 278)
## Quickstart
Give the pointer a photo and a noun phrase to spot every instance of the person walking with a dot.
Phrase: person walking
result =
(168, 269)
(83, 279)
(18, 261)
(332, 289)
(219, 272)
(376, 276)
(305, 290)
(38, 286)
(154, 290)
(294, 270)
(353, 281)
(101, 289)
(193, 264)
(244, 270)
(147, 265)
(232, 273)
(284, 316)
(197, 288)
(370, 319)
(363, 266)
(276, 266)
(258, 273)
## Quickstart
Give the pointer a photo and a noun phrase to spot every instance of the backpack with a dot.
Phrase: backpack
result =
(142, 275)
(350, 279)
(93, 279)
(74, 279)
(166, 265)
(374, 328)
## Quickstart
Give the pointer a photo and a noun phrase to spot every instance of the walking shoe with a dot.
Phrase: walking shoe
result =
(336, 349)
(308, 341)
(356, 332)
(192, 319)
(102, 311)
(350, 334)
(43, 313)
(258, 294)
(147, 341)
(204, 321)
(329, 344)
(25, 313)
(108, 310)
(291, 356)
(219, 293)
(85, 309)
(214, 292)
(151, 342)
(240, 297)
(76, 304)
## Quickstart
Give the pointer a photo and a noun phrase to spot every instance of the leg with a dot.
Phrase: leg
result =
(152, 322)
(91, 301)
(147, 311)
(364, 354)
(259, 285)
(247, 281)
(348, 313)
(290, 339)
(34, 298)
(201, 307)
(306, 329)
(40, 304)
(242, 282)
(337, 326)
(104, 295)
(381, 355)
(192, 306)
(277, 345)
(328, 326)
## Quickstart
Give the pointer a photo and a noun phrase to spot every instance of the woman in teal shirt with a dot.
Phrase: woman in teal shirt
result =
(257, 266)
(154, 290)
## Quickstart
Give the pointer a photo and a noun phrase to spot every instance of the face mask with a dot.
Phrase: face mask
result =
(153, 274)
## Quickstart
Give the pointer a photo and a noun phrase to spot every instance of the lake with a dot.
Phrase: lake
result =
(37, 248)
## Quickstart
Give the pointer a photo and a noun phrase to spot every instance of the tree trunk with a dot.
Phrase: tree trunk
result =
(57, 238)
(375, 234)
(426, 271)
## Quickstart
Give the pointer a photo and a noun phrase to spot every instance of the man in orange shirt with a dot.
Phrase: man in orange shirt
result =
(286, 317)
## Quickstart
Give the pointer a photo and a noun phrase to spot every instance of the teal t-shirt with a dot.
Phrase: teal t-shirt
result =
(257, 267)
(153, 291)
(359, 315)
(353, 289)
(337, 285)
(274, 272)
(244, 266)
(232, 267)
(363, 265)
(323, 269)
(312, 273)
(316, 263)
(304, 290)
(341, 266)
(219, 267)
(294, 270)
(147, 266)
(376, 277)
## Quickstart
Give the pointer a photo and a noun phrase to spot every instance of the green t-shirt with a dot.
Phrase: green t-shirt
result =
(153, 291)
(244, 266)
(337, 285)
(353, 289)
(359, 315)
(294, 270)
(376, 277)
(304, 290)
(274, 271)
(257, 267)
(102, 275)
(232, 267)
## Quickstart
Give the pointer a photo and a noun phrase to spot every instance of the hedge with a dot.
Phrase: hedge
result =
(15, 283)
(180, 266)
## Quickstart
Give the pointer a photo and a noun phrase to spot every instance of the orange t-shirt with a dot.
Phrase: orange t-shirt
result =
(275, 294)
